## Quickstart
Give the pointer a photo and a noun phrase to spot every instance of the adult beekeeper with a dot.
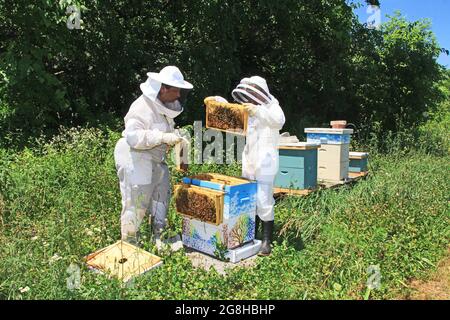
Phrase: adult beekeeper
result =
(260, 156)
(141, 152)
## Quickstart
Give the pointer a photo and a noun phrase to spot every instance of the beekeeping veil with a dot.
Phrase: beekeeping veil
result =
(169, 75)
(252, 90)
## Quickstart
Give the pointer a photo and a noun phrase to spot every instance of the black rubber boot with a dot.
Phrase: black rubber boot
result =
(257, 224)
(267, 238)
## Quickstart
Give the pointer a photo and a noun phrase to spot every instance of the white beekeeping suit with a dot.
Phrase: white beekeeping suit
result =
(260, 156)
(140, 154)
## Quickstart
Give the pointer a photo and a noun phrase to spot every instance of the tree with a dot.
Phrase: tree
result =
(319, 61)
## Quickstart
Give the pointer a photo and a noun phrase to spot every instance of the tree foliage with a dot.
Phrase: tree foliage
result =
(320, 62)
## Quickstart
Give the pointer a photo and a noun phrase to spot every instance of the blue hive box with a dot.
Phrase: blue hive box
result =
(237, 221)
(297, 166)
(358, 162)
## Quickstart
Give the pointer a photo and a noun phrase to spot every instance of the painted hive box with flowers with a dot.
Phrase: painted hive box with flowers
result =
(221, 224)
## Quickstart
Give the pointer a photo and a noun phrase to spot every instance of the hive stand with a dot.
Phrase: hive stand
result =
(206, 262)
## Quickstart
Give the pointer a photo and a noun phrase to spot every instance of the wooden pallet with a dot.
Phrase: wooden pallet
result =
(353, 177)
(357, 175)
(324, 184)
(296, 192)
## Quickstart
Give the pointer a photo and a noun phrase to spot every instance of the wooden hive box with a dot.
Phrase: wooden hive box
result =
(328, 135)
(193, 201)
(227, 117)
(238, 194)
(122, 260)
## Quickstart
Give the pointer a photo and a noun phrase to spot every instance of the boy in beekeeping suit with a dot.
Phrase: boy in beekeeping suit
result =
(141, 152)
(260, 156)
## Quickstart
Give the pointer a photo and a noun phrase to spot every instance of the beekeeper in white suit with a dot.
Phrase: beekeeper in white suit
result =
(141, 152)
(260, 156)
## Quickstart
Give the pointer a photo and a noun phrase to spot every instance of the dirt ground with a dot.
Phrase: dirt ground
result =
(436, 288)
(200, 260)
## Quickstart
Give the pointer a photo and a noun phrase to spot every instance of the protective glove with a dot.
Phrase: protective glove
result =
(183, 139)
(171, 138)
(250, 108)
(216, 98)
(220, 99)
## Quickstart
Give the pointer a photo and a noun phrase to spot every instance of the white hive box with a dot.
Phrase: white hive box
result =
(333, 154)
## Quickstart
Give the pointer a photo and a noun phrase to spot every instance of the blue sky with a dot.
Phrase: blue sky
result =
(438, 11)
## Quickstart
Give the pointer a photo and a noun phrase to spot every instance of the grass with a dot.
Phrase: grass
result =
(60, 201)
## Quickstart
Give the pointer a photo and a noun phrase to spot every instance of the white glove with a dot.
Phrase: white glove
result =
(220, 99)
(171, 139)
(250, 108)
(216, 98)
(183, 139)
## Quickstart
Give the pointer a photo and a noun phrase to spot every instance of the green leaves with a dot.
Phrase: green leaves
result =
(320, 62)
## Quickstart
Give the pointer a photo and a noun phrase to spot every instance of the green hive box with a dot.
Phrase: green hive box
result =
(358, 162)
(297, 166)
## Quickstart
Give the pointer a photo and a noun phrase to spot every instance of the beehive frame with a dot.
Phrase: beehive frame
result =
(216, 196)
(211, 105)
(221, 179)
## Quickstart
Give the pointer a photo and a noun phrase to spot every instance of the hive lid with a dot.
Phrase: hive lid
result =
(358, 154)
(299, 145)
(329, 130)
(123, 260)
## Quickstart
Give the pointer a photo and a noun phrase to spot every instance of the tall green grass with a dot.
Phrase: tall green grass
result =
(60, 201)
